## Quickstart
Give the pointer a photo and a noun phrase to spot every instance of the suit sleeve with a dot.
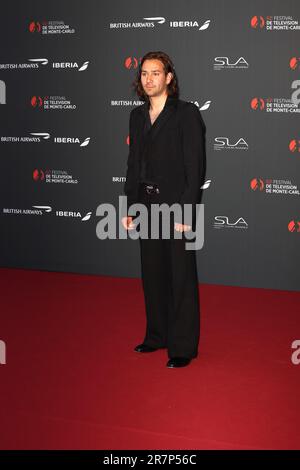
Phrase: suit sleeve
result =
(193, 148)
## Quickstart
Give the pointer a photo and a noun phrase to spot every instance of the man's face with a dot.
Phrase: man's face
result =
(153, 78)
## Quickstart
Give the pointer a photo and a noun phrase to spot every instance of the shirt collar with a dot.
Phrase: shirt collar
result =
(170, 101)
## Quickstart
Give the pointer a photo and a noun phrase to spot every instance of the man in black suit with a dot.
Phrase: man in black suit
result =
(166, 165)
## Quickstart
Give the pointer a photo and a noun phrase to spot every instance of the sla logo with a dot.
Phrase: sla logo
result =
(257, 22)
(294, 226)
(257, 184)
(222, 221)
(2, 352)
(131, 63)
(2, 92)
(295, 358)
(257, 103)
(223, 143)
(224, 62)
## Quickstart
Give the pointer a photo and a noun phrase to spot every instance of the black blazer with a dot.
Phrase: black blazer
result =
(176, 146)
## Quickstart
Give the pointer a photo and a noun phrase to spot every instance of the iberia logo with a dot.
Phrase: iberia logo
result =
(36, 102)
(257, 184)
(294, 226)
(35, 27)
(131, 63)
(257, 22)
(294, 63)
(294, 145)
(257, 103)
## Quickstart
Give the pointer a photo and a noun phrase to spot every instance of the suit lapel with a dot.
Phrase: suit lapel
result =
(160, 121)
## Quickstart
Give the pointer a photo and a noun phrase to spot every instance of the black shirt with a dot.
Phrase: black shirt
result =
(146, 170)
(144, 173)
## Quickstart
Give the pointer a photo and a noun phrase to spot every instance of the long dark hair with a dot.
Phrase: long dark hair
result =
(173, 87)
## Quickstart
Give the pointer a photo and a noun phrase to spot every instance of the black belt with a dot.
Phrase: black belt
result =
(150, 188)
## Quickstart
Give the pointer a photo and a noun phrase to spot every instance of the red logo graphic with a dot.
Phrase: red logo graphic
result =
(257, 183)
(131, 63)
(38, 175)
(35, 27)
(294, 226)
(127, 140)
(257, 22)
(257, 103)
(294, 145)
(36, 102)
(294, 63)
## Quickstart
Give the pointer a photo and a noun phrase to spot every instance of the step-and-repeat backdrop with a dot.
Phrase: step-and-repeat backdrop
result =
(66, 73)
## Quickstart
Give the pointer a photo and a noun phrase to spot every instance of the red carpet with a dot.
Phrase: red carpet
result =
(72, 380)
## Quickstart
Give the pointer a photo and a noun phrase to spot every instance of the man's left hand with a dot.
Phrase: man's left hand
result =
(182, 227)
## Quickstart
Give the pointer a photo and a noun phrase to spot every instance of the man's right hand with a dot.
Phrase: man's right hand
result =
(127, 223)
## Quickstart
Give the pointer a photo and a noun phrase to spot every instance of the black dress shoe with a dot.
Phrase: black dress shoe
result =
(178, 362)
(143, 348)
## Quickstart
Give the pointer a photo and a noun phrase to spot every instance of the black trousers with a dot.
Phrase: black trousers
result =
(170, 284)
